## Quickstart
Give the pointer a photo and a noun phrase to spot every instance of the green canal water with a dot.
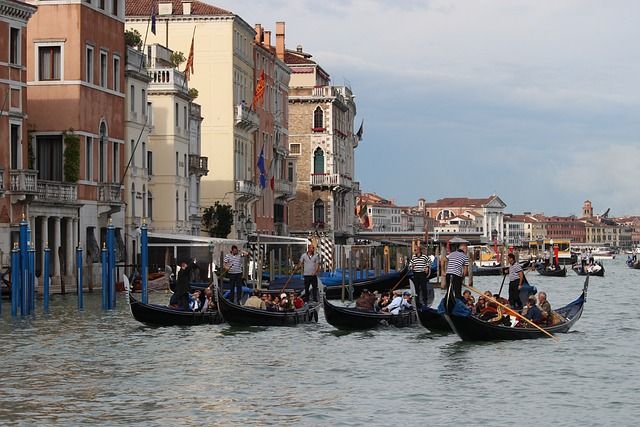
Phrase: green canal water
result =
(104, 368)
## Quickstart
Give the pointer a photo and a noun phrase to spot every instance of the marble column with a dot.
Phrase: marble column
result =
(69, 252)
(54, 247)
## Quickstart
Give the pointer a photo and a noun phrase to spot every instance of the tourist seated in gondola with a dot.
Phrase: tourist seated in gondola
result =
(382, 302)
(194, 301)
(545, 308)
(471, 302)
(298, 302)
(254, 301)
(531, 312)
(285, 303)
(400, 302)
(481, 304)
(366, 301)
(275, 303)
(209, 303)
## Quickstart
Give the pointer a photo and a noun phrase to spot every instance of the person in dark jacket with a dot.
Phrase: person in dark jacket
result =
(366, 301)
(180, 297)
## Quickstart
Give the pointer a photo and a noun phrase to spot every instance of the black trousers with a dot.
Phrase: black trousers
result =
(514, 294)
(454, 289)
(311, 281)
(424, 291)
(235, 293)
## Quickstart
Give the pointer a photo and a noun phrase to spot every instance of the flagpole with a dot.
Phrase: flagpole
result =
(191, 55)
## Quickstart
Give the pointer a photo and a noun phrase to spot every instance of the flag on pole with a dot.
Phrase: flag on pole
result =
(360, 132)
(261, 169)
(259, 94)
(188, 69)
(153, 18)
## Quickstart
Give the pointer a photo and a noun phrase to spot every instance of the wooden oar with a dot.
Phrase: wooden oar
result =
(289, 279)
(504, 276)
(399, 281)
(511, 311)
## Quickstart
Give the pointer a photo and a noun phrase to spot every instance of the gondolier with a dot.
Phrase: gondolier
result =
(420, 267)
(457, 269)
(233, 265)
(516, 281)
(310, 263)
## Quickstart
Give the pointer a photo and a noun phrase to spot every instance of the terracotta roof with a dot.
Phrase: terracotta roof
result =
(458, 202)
(144, 7)
(294, 58)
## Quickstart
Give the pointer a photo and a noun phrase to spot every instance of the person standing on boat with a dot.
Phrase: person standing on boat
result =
(421, 269)
(457, 269)
(516, 281)
(233, 264)
(180, 297)
(547, 258)
(310, 263)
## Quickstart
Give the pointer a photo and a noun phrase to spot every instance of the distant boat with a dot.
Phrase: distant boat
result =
(594, 270)
(555, 272)
(352, 318)
(161, 315)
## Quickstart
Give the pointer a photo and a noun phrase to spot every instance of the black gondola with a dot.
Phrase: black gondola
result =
(494, 271)
(472, 328)
(354, 319)
(235, 314)
(556, 272)
(381, 284)
(160, 315)
(431, 319)
(581, 272)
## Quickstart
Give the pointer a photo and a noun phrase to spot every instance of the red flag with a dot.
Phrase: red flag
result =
(258, 96)
(272, 183)
(188, 69)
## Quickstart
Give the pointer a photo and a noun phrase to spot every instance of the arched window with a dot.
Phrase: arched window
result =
(318, 161)
(150, 205)
(318, 212)
(102, 155)
(444, 214)
(144, 201)
(133, 200)
(318, 118)
(177, 206)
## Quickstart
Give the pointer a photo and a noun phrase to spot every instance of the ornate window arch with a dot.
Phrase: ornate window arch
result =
(444, 214)
(318, 161)
(318, 211)
(318, 118)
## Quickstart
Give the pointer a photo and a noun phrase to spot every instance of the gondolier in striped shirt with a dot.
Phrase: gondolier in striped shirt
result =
(516, 281)
(457, 269)
(421, 268)
(233, 266)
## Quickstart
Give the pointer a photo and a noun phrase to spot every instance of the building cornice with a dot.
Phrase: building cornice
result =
(18, 10)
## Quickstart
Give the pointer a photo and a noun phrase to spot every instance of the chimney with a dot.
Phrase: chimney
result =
(280, 40)
(186, 7)
(259, 33)
(165, 8)
(267, 38)
(299, 48)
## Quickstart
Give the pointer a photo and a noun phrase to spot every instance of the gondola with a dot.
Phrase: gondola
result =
(431, 319)
(581, 272)
(160, 315)
(385, 283)
(494, 271)
(558, 272)
(472, 328)
(354, 319)
(235, 314)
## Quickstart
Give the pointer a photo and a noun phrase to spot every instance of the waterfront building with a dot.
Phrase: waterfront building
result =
(272, 137)
(515, 230)
(224, 75)
(321, 137)
(15, 153)
(76, 57)
(489, 212)
(382, 215)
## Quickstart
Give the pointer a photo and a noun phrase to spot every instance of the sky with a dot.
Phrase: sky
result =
(535, 101)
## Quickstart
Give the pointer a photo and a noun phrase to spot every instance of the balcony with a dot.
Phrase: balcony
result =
(167, 79)
(57, 192)
(247, 190)
(334, 181)
(284, 189)
(1, 182)
(246, 118)
(198, 165)
(23, 181)
(109, 193)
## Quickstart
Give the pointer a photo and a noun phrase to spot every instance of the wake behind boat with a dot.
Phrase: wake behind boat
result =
(472, 328)
(355, 319)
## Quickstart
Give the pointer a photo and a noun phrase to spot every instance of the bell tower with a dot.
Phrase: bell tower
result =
(587, 209)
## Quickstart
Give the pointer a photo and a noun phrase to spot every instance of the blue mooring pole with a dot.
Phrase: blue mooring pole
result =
(144, 260)
(23, 274)
(45, 280)
(105, 283)
(15, 280)
(111, 258)
(79, 277)
(32, 279)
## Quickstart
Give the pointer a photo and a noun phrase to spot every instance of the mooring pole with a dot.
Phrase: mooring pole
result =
(79, 277)
(45, 279)
(144, 260)
(15, 280)
(105, 278)
(23, 274)
(32, 278)
(111, 261)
